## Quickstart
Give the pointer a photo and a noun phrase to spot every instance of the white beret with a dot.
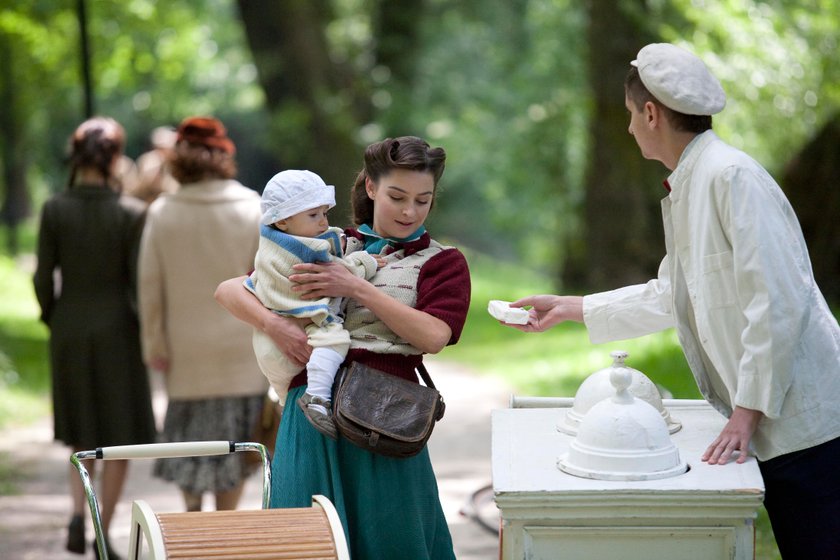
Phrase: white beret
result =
(293, 191)
(679, 80)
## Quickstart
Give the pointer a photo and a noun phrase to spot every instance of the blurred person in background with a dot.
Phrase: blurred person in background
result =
(153, 174)
(85, 282)
(195, 238)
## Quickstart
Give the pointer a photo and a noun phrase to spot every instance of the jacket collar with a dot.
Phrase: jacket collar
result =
(409, 247)
(680, 177)
(91, 191)
(213, 190)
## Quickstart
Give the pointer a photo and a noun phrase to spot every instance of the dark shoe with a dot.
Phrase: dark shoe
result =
(109, 549)
(322, 422)
(76, 535)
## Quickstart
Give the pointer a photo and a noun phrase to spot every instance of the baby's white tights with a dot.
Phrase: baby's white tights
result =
(320, 372)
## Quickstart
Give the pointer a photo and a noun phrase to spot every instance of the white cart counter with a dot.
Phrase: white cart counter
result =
(547, 514)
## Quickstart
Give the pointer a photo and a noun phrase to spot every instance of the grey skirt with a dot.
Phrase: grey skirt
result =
(229, 419)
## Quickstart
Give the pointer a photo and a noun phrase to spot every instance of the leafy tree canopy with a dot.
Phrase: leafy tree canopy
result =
(501, 85)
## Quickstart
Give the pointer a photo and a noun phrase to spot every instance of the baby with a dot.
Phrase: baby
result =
(295, 230)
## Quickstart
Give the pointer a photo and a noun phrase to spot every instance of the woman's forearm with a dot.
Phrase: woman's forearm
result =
(240, 303)
(423, 331)
(287, 334)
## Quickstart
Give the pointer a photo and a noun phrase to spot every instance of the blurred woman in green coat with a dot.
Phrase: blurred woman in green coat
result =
(85, 283)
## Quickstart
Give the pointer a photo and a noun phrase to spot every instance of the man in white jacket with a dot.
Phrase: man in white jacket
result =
(737, 284)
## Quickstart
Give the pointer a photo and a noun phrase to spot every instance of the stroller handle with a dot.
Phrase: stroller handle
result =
(161, 451)
(165, 450)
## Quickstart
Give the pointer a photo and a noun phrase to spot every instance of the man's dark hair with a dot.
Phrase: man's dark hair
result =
(638, 94)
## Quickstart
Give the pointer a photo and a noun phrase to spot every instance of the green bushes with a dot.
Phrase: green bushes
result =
(24, 368)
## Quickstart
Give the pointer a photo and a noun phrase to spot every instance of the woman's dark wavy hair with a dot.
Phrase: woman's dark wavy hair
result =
(96, 143)
(639, 95)
(406, 152)
(191, 163)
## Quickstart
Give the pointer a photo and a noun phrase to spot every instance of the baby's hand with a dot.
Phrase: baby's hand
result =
(380, 261)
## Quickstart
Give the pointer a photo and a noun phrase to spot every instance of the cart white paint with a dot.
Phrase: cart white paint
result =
(707, 512)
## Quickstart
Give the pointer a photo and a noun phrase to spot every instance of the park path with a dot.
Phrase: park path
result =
(33, 520)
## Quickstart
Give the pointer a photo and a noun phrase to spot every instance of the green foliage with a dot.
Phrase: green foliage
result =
(24, 370)
(152, 64)
(27, 235)
(501, 85)
(778, 64)
(493, 88)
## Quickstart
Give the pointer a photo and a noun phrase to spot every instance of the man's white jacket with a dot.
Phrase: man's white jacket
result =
(737, 284)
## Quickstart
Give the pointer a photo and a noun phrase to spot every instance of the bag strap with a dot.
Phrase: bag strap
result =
(427, 379)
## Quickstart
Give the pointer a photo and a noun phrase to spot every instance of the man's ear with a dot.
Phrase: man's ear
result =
(651, 114)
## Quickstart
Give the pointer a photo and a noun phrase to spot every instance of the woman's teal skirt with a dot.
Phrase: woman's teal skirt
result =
(389, 508)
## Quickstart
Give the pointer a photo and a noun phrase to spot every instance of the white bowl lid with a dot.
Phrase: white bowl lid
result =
(597, 387)
(622, 438)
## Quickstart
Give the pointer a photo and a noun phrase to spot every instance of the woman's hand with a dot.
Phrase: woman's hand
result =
(287, 334)
(736, 436)
(547, 311)
(423, 331)
(324, 280)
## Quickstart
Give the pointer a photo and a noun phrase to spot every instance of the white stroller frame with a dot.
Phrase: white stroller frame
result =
(143, 517)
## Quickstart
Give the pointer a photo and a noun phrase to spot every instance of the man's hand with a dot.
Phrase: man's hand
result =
(735, 436)
(547, 311)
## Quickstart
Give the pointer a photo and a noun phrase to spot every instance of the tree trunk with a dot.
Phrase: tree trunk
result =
(15, 205)
(313, 121)
(622, 242)
(84, 46)
(810, 182)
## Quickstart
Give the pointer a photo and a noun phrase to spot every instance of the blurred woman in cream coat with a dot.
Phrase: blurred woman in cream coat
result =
(206, 232)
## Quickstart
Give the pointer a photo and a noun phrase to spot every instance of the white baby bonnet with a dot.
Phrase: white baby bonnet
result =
(293, 191)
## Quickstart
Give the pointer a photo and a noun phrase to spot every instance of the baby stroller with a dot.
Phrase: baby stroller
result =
(310, 532)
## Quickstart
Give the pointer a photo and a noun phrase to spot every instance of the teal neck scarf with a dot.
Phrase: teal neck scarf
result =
(374, 243)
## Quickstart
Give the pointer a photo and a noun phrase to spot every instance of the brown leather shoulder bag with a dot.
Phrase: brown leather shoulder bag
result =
(384, 414)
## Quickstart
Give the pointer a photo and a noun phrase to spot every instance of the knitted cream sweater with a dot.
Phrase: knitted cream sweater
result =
(398, 279)
(276, 255)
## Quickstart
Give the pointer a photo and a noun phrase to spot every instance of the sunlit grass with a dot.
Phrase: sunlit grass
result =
(24, 369)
